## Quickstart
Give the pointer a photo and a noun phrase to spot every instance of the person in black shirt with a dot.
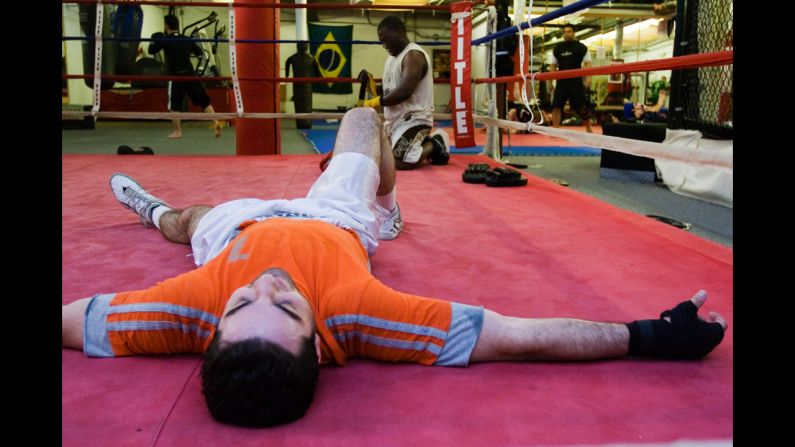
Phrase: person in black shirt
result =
(178, 50)
(568, 55)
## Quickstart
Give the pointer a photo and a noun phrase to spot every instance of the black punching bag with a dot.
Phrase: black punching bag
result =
(127, 23)
(304, 67)
(88, 18)
(506, 45)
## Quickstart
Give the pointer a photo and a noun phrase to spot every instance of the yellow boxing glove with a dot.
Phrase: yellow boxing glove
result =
(375, 102)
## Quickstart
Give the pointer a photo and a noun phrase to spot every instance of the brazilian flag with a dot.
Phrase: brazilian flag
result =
(333, 59)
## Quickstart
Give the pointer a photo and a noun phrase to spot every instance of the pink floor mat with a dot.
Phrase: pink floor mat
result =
(537, 251)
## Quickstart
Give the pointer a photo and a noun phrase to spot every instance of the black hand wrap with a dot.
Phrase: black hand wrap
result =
(364, 81)
(684, 337)
(363, 76)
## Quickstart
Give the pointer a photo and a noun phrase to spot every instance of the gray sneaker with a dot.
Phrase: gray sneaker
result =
(391, 226)
(133, 197)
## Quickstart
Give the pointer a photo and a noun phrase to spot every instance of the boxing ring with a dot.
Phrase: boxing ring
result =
(537, 251)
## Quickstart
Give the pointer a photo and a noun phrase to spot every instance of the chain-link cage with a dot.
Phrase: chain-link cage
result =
(702, 99)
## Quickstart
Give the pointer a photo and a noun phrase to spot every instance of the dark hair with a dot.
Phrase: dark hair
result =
(569, 25)
(172, 22)
(256, 383)
(392, 23)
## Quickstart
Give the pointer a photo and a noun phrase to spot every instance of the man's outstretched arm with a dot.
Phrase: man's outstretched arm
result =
(72, 316)
(679, 333)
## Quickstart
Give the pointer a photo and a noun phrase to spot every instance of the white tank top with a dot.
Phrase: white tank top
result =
(416, 110)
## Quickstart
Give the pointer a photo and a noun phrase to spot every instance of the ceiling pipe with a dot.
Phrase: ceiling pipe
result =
(618, 43)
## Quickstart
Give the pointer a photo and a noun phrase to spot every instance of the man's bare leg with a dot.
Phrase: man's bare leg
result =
(177, 124)
(179, 225)
(216, 124)
(386, 167)
(361, 131)
(175, 225)
(386, 195)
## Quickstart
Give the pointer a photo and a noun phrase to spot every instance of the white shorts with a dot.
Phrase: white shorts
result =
(344, 195)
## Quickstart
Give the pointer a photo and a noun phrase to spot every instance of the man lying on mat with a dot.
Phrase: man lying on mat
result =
(284, 286)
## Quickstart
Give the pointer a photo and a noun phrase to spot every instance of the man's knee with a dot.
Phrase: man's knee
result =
(189, 218)
(360, 132)
(362, 114)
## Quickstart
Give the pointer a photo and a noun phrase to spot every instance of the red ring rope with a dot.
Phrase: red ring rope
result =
(671, 63)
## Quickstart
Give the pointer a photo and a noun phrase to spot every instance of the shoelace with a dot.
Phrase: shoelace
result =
(138, 201)
(397, 224)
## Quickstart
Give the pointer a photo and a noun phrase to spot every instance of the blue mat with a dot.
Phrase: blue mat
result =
(449, 124)
(322, 141)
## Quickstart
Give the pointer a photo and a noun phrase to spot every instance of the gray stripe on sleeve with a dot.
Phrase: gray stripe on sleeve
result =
(433, 348)
(95, 334)
(465, 326)
(169, 308)
(366, 320)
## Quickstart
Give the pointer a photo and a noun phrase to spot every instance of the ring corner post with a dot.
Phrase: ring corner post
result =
(255, 136)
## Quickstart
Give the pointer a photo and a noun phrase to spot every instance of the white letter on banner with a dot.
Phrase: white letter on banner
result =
(458, 103)
(462, 121)
(460, 52)
(459, 72)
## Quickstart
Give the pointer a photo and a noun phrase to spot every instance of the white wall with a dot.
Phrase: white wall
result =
(79, 93)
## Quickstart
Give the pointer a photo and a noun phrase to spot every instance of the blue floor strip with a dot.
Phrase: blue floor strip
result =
(323, 142)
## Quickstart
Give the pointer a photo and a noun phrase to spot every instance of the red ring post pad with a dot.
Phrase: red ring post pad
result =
(460, 88)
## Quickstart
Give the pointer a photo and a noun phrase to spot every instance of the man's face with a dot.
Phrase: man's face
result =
(391, 40)
(568, 34)
(270, 308)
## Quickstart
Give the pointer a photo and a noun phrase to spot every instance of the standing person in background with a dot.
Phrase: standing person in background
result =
(178, 50)
(569, 55)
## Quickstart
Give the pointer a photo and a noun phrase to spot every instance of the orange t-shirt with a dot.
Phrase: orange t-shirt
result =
(355, 314)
